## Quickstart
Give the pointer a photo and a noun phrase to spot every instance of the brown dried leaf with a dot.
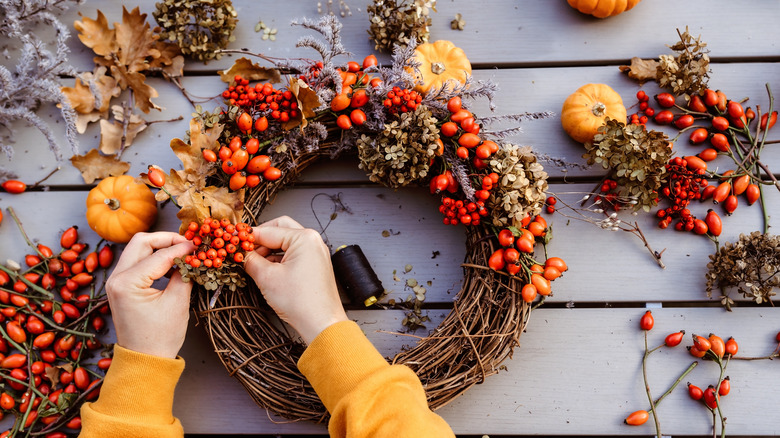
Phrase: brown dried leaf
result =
(96, 34)
(307, 103)
(84, 102)
(93, 165)
(143, 92)
(211, 201)
(80, 97)
(82, 120)
(135, 40)
(641, 69)
(106, 85)
(52, 374)
(191, 155)
(250, 71)
(169, 60)
(176, 183)
(111, 133)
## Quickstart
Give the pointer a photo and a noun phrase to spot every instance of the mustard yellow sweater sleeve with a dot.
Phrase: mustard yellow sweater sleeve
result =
(136, 399)
(366, 396)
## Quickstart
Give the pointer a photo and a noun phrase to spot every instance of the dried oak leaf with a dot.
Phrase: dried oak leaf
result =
(211, 201)
(111, 133)
(83, 100)
(142, 92)
(93, 165)
(308, 101)
(170, 61)
(250, 71)
(641, 69)
(83, 120)
(96, 34)
(80, 97)
(191, 155)
(136, 40)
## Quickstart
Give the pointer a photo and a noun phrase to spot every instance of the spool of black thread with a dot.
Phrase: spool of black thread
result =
(355, 275)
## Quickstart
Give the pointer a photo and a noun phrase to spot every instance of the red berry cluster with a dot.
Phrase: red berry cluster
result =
(461, 212)
(218, 242)
(243, 162)
(684, 185)
(262, 98)
(457, 212)
(401, 100)
(463, 129)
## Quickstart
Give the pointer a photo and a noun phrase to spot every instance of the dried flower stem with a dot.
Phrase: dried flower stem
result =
(37, 183)
(621, 225)
(647, 389)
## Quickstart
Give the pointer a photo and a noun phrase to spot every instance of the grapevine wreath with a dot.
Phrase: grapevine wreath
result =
(238, 158)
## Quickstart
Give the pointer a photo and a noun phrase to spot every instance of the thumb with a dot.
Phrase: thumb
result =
(161, 261)
(177, 289)
(257, 266)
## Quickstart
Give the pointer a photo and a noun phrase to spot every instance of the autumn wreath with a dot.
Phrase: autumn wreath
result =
(409, 124)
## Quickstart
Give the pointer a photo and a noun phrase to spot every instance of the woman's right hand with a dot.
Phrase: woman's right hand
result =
(298, 284)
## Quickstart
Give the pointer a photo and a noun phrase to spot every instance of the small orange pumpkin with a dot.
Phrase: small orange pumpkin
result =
(440, 61)
(603, 8)
(120, 207)
(588, 108)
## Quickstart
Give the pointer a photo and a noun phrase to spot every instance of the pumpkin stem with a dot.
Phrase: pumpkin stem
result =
(438, 68)
(112, 203)
(599, 109)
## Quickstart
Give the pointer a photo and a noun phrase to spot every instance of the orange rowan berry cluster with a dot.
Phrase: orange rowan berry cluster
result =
(462, 212)
(218, 242)
(262, 98)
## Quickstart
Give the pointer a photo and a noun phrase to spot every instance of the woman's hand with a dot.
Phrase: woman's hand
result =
(299, 285)
(149, 320)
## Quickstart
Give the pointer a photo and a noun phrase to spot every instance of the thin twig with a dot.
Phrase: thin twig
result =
(37, 183)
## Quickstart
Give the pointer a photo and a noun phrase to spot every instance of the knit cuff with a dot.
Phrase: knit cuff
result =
(337, 361)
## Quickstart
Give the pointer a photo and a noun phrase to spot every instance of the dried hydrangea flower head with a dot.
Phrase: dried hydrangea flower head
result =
(402, 152)
(521, 187)
(637, 159)
(200, 28)
(688, 72)
(399, 22)
(750, 265)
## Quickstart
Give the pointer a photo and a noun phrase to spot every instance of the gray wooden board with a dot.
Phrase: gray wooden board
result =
(507, 32)
(604, 266)
(523, 90)
(576, 372)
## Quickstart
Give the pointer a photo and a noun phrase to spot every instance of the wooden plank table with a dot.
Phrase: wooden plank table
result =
(578, 369)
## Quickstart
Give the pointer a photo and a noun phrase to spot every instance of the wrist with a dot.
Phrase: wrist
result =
(311, 328)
